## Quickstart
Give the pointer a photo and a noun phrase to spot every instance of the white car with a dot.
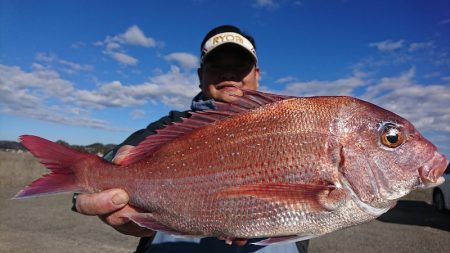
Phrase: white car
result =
(441, 193)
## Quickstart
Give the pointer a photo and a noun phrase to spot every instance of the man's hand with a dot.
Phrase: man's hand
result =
(112, 205)
(237, 241)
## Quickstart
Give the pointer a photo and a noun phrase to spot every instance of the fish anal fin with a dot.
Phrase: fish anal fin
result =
(284, 239)
(147, 220)
(317, 196)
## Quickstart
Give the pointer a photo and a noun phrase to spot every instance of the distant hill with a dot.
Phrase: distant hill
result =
(11, 145)
(95, 148)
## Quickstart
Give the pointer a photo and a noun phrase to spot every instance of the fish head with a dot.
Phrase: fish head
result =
(384, 157)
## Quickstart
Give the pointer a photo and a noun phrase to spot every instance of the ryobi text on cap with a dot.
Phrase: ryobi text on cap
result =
(228, 37)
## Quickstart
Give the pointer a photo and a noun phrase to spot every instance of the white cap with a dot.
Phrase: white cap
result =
(226, 38)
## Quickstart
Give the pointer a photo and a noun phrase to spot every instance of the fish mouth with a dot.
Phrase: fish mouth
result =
(431, 172)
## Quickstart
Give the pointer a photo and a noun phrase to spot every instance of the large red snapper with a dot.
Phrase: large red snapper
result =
(266, 165)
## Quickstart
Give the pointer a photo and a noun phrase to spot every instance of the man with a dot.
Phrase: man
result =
(228, 63)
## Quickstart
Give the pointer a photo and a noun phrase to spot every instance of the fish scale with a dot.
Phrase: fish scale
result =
(221, 161)
(263, 166)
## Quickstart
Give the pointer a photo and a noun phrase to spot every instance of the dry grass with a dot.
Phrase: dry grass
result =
(46, 224)
(18, 169)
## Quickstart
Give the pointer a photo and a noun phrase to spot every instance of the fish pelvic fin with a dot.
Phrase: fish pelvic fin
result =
(60, 160)
(148, 221)
(284, 239)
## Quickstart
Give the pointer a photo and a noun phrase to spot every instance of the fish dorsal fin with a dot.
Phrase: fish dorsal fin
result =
(249, 101)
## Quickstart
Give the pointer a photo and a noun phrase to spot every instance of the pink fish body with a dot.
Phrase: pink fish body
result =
(285, 168)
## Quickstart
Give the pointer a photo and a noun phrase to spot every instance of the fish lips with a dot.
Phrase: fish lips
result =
(431, 172)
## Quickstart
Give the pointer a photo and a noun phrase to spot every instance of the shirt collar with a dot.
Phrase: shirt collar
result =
(200, 102)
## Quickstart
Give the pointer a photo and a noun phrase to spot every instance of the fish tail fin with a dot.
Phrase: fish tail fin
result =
(60, 160)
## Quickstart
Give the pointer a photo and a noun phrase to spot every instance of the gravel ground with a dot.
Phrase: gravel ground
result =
(46, 224)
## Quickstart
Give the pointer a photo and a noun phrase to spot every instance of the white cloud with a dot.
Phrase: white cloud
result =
(443, 22)
(132, 36)
(45, 57)
(420, 45)
(78, 44)
(433, 74)
(110, 46)
(268, 4)
(68, 66)
(339, 87)
(387, 45)
(390, 83)
(27, 94)
(185, 60)
(286, 79)
(174, 88)
(123, 58)
(426, 106)
(113, 94)
(137, 114)
(42, 94)
(135, 36)
(43, 81)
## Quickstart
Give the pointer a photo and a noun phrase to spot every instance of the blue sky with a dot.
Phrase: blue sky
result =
(95, 71)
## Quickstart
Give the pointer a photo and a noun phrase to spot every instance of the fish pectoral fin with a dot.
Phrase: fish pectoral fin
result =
(317, 196)
(147, 220)
(334, 199)
(284, 239)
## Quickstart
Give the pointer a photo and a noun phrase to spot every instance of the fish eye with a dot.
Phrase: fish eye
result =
(392, 136)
